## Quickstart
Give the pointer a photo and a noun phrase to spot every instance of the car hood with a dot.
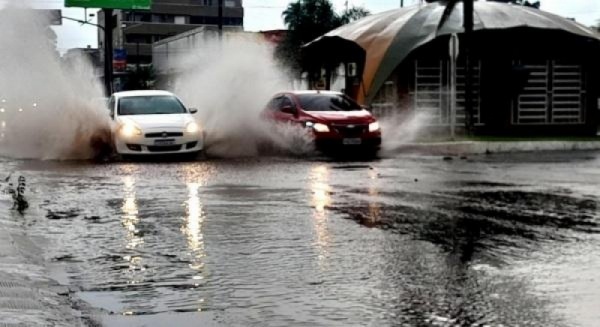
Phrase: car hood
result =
(343, 117)
(158, 121)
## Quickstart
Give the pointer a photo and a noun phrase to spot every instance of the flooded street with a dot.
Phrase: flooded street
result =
(496, 240)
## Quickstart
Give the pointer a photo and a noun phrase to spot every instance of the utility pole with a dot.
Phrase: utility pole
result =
(401, 3)
(108, 50)
(468, 25)
(453, 59)
(220, 18)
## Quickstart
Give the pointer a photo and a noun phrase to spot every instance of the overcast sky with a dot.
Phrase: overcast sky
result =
(266, 14)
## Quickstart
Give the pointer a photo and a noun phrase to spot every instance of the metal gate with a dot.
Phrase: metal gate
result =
(432, 95)
(553, 94)
(430, 91)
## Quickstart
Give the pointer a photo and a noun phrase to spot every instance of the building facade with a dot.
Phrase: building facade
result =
(524, 82)
(533, 73)
(135, 30)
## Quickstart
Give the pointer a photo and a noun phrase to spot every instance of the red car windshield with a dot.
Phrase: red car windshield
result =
(327, 102)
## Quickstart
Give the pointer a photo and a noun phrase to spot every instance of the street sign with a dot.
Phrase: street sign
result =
(119, 60)
(110, 4)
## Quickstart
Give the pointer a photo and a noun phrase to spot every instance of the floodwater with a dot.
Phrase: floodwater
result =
(497, 240)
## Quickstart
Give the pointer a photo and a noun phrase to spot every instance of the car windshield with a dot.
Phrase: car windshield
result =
(150, 105)
(327, 102)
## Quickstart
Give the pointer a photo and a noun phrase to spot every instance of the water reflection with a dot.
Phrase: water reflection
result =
(374, 207)
(192, 228)
(130, 220)
(321, 199)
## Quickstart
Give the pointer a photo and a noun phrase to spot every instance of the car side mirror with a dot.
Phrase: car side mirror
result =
(288, 110)
(193, 110)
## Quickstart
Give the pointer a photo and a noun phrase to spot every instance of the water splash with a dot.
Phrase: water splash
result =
(230, 83)
(402, 128)
(47, 108)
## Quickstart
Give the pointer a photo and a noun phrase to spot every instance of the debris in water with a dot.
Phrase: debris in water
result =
(18, 194)
(67, 214)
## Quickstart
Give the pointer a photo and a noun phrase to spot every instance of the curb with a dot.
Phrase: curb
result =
(28, 297)
(477, 147)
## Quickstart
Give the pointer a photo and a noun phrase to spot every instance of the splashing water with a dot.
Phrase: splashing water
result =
(230, 82)
(402, 128)
(47, 110)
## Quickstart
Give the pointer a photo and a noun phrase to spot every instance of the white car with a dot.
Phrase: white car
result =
(153, 122)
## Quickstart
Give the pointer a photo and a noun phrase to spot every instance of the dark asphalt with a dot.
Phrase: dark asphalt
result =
(498, 240)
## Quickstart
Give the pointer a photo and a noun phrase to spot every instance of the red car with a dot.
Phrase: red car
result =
(335, 119)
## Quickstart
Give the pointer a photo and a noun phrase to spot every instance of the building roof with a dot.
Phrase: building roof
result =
(387, 38)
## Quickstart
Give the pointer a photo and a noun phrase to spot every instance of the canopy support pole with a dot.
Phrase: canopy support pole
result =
(108, 51)
(468, 25)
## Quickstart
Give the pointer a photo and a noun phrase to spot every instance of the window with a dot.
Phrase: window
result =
(553, 92)
(163, 18)
(274, 103)
(137, 17)
(138, 38)
(180, 20)
(327, 102)
(150, 105)
(431, 95)
(286, 102)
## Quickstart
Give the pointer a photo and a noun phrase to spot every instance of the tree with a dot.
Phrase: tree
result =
(309, 19)
(306, 20)
(352, 14)
(141, 78)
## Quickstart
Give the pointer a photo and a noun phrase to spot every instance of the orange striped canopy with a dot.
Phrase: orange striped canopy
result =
(389, 37)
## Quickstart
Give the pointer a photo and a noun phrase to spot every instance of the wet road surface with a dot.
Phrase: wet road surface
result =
(499, 240)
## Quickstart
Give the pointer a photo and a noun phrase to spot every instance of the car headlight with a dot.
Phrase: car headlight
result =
(374, 127)
(318, 127)
(129, 130)
(192, 128)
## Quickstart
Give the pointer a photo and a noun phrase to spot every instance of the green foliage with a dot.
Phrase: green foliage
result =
(142, 78)
(306, 20)
(309, 19)
(352, 14)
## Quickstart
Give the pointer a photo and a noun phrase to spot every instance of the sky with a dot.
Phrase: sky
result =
(266, 15)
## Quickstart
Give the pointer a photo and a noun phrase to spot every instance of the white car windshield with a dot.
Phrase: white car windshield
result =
(150, 105)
